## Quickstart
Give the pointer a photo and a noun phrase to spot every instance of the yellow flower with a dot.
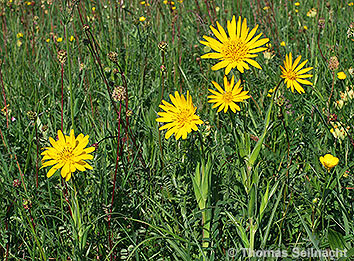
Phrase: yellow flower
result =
(47, 40)
(173, 8)
(67, 153)
(165, 2)
(294, 75)
(296, 11)
(142, 2)
(312, 12)
(351, 4)
(228, 97)
(341, 75)
(59, 39)
(305, 27)
(19, 43)
(270, 92)
(93, 9)
(329, 161)
(297, 4)
(283, 43)
(236, 48)
(180, 116)
(142, 18)
(19, 35)
(72, 38)
(266, 8)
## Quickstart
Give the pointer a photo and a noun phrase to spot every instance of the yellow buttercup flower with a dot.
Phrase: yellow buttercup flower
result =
(283, 43)
(19, 35)
(293, 73)
(228, 97)
(180, 116)
(297, 4)
(142, 18)
(59, 39)
(341, 75)
(329, 161)
(67, 153)
(236, 49)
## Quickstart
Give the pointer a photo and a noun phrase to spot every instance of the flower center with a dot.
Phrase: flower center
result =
(291, 75)
(183, 117)
(228, 97)
(66, 154)
(235, 50)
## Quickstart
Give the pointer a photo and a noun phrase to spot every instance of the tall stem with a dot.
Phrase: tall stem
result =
(70, 78)
(114, 181)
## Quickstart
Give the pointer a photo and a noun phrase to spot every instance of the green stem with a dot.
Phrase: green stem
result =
(70, 78)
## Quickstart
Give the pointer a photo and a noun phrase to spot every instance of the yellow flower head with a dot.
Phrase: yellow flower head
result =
(236, 49)
(142, 18)
(341, 75)
(228, 97)
(59, 39)
(297, 4)
(329, 161)
(180, 116)
(67, 153)
(72, 38)
(19, 35)
(305, 27)
(283, 43)
(293, 73)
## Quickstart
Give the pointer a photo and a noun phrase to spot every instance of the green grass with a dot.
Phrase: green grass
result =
(247, 180)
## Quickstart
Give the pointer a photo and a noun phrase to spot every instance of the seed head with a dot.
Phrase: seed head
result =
(321, 23)
(162, 46)
(113, 56)
(32, 115)
(62, 56)
(333, 63)
(119, 93)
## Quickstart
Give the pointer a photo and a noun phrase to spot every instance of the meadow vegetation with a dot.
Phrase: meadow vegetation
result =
(175, 130)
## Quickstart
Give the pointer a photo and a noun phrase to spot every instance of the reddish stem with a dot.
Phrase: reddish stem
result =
(62, 95)
(114, 181)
